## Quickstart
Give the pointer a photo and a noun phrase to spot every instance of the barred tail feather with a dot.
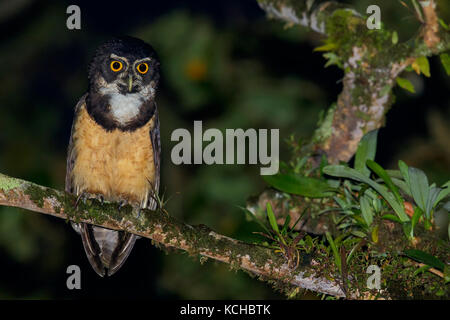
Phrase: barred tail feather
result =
(106, 249)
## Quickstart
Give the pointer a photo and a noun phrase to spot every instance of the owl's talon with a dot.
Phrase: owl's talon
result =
(84, 196)
(101, 199)
(122, 203)
(75, 206)
(139, 210)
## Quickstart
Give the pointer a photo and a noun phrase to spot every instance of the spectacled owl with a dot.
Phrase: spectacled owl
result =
(114, 148)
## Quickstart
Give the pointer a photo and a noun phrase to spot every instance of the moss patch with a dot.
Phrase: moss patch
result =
(8, 183)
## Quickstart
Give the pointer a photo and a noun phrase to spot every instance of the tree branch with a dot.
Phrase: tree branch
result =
(371, 62)
(168, 231)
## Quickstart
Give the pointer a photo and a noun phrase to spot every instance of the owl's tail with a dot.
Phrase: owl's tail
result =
(106, 249)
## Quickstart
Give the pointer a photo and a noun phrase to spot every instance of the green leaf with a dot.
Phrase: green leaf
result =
(407, 229)
(254, 218)
(337, 256)
(333, 59)
(445, 59)
(387, 180)
(366, 151)
(377, 205)
(272, 219)
(426, 258)
(375, 234)
(394, 37)
(346, 172)
(300, 185)
(300, 163)
(366, 210)
(402, 185)
(354, 249)
(421, 270)
(418, 183)
(434, 193)
(358, 234)
(326, 47)
(443, 24)
(444, 193)
(394, 174)
(391, 217)
(344, 205)
(405, 84)
(300, 217)
(424, 65)
(404, 170)
(286, 224)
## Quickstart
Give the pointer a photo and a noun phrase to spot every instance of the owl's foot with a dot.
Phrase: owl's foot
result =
(123, 203)
(84, 196)
(139, 210)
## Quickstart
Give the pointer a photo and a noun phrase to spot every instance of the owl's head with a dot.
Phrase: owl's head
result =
(124, 65)
(123, 77)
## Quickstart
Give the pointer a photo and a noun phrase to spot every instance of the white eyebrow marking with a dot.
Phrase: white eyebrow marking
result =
(144, 59)
(141, 60)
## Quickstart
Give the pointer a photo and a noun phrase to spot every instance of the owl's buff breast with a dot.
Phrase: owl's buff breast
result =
(117, 164)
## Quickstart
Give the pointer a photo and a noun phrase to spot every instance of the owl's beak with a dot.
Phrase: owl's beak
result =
(130, 83)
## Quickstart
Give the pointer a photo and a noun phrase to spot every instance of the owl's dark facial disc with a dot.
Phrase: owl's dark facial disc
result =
(121, 59)
(123, 77)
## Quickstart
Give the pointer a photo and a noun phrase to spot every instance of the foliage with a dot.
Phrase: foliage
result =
(365, 196)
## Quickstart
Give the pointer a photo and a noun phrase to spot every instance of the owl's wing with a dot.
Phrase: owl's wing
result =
(156, 145)
(70, 187)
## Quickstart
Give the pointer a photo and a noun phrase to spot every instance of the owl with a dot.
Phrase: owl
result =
(114, 147)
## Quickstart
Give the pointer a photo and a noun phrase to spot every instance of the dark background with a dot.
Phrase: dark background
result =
(222, 62)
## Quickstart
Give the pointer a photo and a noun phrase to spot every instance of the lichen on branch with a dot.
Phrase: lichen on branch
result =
(167, 231)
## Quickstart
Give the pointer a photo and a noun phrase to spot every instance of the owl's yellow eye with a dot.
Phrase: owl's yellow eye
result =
(116, 65)
(142, 68)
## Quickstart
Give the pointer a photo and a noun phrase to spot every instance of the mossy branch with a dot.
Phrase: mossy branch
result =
(167, 231)
(371, 61)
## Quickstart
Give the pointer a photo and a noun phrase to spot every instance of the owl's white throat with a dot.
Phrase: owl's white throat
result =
(125, 108)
